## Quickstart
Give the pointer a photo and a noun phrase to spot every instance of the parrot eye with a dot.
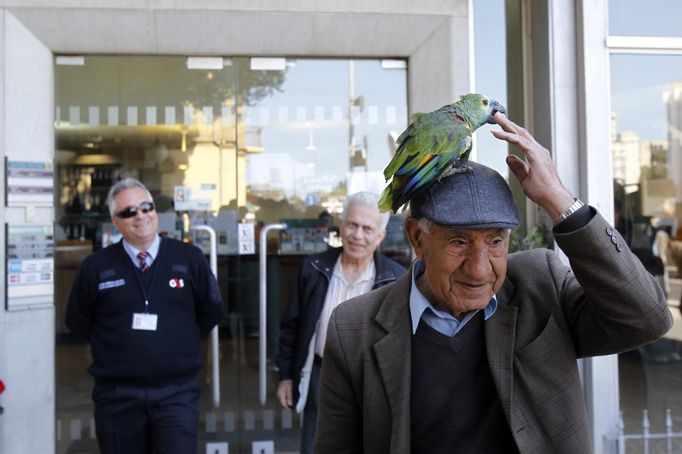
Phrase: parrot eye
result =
(485, 101)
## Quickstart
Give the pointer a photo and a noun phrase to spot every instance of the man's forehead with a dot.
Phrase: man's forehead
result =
(363, 214)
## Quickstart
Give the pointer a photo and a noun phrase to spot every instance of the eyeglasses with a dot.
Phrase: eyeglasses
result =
(129, 212)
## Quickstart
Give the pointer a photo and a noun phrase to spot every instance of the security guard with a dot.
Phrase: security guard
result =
(144, 304)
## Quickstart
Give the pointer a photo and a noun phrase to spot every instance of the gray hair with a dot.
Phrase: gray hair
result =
(369, 199)
(425, 225)
(121, 186)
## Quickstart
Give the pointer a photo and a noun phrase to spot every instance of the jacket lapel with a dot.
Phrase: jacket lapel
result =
(393, 353)
(500, 330)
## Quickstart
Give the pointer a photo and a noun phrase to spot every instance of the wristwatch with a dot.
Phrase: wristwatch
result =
(575, 206)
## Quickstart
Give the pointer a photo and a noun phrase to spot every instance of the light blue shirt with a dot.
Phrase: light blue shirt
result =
(153, 251)
(441, 321)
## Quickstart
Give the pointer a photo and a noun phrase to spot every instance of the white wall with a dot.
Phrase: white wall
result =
(27, 336)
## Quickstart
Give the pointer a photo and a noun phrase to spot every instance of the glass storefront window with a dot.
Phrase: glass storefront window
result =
(324, 135)
(264, 144)
(223, 142)
(491, 80)
(646, 146)
(662, 18)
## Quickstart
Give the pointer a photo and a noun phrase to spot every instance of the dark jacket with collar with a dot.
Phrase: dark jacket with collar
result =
(305, 306)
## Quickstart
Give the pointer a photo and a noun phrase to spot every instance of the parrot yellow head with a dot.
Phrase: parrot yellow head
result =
(478, 109)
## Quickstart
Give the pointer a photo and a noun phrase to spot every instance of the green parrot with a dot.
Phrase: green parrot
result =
(434, 145)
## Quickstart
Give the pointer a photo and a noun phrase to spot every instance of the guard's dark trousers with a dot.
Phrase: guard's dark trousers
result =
(145, 420)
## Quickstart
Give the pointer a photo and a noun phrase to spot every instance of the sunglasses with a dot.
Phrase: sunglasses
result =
(144, 207)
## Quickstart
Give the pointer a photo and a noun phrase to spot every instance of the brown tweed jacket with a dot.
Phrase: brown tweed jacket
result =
(547, 317)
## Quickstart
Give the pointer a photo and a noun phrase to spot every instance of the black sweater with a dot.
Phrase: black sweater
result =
(455, 407)
(107, 292)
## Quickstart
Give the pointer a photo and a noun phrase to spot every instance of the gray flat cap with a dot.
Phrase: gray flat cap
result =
(479, 198)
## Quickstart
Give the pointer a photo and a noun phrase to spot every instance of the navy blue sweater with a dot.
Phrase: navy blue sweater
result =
(107, 292)
(454, 404)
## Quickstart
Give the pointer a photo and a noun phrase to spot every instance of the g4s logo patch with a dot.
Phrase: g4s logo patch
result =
(176, 283)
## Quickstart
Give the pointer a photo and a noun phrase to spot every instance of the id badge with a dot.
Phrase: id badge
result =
(145, 322)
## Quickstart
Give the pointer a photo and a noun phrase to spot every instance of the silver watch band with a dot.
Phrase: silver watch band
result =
(575, 206)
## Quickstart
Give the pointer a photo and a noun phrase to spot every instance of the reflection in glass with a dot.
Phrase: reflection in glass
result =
(662, 17)
(324, 135)
(491, 79)
(220, 146)
(646, 147)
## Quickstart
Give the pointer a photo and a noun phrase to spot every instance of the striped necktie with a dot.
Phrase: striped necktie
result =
(144, 266)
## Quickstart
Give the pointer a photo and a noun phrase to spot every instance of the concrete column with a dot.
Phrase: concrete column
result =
(26, 336)
(441, 68)
(596, 183)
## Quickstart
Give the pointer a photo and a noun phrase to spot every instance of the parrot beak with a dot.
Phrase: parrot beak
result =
(496, 107)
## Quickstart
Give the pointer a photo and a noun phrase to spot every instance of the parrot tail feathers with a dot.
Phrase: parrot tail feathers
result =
(403, 189)
(386, 200)
(395, 164)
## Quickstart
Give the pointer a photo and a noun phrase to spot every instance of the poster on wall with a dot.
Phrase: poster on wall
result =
(247, 238)
(29, 183)
(186, 198)
(30, 266)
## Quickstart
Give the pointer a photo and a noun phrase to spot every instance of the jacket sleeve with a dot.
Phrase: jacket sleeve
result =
(208, 305)
(610, 302)
(339, 417)
(289, 327)
(80, 308)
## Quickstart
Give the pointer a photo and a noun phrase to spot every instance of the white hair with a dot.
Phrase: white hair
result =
(121, 186)
(369, 199)
(425, 225)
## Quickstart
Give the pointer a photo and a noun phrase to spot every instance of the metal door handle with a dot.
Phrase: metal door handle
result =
(262, 332)
(215, 352)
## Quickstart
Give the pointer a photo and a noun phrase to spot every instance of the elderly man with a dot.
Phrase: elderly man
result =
(474, 350)
(144, 304)
(324, 281)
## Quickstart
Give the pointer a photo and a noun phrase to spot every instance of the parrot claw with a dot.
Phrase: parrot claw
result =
(453, 170)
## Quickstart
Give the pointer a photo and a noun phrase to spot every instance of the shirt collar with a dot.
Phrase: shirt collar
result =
(419, 303)
(366, 275)
(153, 249)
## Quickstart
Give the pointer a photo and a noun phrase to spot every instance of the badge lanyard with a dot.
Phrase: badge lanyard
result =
(145, 293)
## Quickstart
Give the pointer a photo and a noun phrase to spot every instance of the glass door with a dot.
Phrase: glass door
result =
(236, 144)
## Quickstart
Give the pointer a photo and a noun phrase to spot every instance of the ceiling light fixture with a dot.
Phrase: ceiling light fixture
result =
(204, 62)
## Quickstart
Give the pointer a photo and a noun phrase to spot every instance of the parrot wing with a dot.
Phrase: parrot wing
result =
(434, 144)
(426, 150)
(405, 146)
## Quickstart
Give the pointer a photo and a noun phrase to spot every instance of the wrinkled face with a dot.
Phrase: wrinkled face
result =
(140, 229)
(361, 231)
(464, 267)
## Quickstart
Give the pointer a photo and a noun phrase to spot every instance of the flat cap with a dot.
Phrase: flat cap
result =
(475, 198)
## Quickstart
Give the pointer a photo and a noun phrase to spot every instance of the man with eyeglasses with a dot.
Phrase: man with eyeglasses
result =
(475, 350)
(144, 304)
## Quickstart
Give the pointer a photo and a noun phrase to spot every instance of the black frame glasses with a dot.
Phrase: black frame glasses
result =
(130, 212)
